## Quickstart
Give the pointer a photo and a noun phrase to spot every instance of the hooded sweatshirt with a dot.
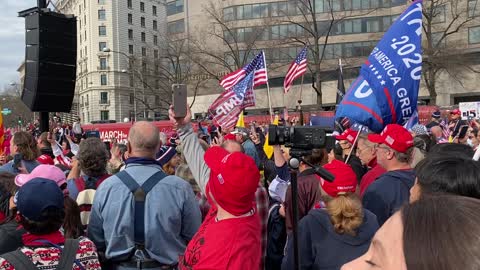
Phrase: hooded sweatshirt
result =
(388, 193)
(321, 248)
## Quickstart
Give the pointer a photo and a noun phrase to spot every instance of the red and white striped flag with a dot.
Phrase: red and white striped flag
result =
(258, 66)
(297, 69)
(226, 108)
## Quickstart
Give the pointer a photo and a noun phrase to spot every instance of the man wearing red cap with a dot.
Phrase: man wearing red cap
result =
(387, 194)
(347, 140)
(368, 155)
(230, 236)
(456, 122)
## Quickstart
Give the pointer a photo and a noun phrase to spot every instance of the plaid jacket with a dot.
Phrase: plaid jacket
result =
(261, 198)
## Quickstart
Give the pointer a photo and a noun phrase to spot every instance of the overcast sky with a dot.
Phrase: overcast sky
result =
(12, 38)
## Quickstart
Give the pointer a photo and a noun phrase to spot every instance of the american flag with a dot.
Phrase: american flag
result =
(297, 68)
(226, 108)
(258, 66)
(445, 129)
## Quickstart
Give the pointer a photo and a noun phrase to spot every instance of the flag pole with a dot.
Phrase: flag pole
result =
(268, 90)
(353, 145)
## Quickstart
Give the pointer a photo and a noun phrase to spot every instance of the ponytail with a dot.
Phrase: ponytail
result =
(346, 213)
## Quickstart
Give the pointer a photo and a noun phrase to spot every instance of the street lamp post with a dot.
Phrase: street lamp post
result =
(107, 50)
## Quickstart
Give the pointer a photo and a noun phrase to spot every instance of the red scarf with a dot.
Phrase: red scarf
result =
(30, 240)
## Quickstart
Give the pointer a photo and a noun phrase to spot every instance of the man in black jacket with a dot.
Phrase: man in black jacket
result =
(387, 194)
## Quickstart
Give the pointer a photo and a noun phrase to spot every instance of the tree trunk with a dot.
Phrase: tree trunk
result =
(318, 85)
(431, 86)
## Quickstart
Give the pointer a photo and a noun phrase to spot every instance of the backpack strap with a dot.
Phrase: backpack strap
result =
(19, 260)
(139, 194)
(69, 254)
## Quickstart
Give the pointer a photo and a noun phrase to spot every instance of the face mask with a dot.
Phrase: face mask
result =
(469, 142)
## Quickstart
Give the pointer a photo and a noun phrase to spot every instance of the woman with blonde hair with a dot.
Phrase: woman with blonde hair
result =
(339, 230)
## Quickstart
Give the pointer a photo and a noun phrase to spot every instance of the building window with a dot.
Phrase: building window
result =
(142, 6)
(473, 8)
(130, 18)
(104, 115)
(129, 4)
(85, 36)
(102, 45)
(157, 98)
(130, 49)
(438, 15)
(144, 37)
(142, 22)
(474, 35)
(436, 43)
(103, 63)
(157, 68)
(130, 34)
(154, 10)
(103, 97)
(176, 27)
(155, 54)
(131, 80)
(102, 31)
(155, 40)
(86, 103)
(131, 99)
(144, 51)
(155, 26)
(101, 2)
(103, 80)
(174, 7)
(144, 69)
(101, 15)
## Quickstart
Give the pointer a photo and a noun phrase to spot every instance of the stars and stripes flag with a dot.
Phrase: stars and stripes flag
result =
(226, 108)
(297, 69)
(257, 66)
(445, 130)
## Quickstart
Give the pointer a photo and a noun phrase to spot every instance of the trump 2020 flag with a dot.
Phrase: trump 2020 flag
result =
(387, 89)
(226, 108)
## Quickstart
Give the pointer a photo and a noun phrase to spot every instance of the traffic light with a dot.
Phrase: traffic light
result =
(20, 120)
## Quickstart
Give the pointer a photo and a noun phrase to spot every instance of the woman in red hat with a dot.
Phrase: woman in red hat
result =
(341, 229)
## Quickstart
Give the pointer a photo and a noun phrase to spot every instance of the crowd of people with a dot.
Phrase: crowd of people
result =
(214, 199)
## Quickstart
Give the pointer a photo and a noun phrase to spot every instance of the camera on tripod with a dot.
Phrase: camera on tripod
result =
(300, 140)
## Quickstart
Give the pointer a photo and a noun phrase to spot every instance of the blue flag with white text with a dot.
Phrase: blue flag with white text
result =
(387, 89)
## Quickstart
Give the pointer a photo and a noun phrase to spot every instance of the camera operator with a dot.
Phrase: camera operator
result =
(308, 186)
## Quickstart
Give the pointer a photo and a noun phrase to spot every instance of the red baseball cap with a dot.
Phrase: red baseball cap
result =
(45, 159)
(395, 136)
(348, 135)
(229, 137)
(234, 179)
(456, 111)
(345, 178)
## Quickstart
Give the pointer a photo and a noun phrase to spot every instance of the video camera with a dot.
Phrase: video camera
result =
(300, 140)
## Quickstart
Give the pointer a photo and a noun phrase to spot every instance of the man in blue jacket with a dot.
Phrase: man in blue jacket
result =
(392, 189)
